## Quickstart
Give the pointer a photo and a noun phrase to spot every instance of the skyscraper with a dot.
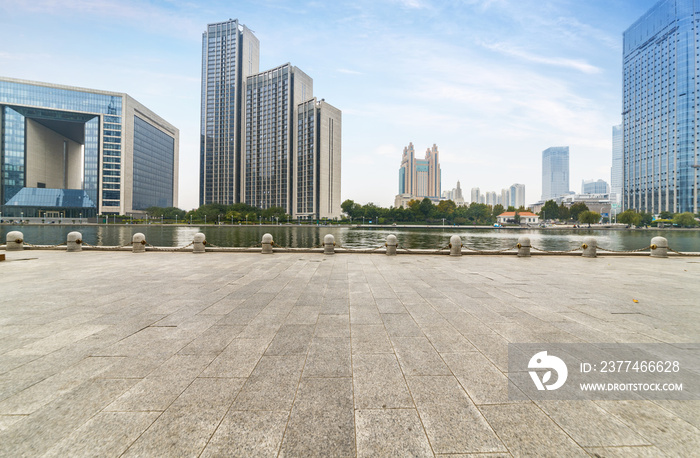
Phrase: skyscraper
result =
(317, 165)
(555, 172)
(266, 141)
(230, 52)
(660, 100)
(517, 195)
(272, 98)
(617, 169)
(420, 178)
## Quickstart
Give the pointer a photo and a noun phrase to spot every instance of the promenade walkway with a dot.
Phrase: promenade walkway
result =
(300, 354)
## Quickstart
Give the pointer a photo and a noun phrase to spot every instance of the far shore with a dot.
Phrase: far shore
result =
(571, 227)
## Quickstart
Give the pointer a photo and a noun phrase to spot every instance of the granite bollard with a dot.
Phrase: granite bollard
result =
(391, 244)
(138, 243)
(659, 247)
(590, 247)
(15, 241)
(328, 244)
(267, 244)
(455, 245)
(199, 243)
(524, 247)
(74, 242)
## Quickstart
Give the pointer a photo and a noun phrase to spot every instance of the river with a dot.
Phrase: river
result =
(354, 237)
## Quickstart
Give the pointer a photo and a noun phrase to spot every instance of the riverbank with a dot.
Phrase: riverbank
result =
(302, 354)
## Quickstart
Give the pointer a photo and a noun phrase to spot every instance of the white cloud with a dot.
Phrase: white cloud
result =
(575, 64)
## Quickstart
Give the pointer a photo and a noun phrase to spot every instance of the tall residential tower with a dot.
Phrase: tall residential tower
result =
(660, 109)
(419, 178)
(555, 172)
(230, 53)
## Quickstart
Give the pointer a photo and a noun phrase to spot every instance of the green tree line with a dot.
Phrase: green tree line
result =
(424, 211)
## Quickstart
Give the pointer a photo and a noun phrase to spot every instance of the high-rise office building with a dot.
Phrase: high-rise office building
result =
(266, 140)
(595, 187)
(555, 172)
(660, 100)
(317, 165)
(617, 169)
(70, 152)
(271, 101)
(230, 52)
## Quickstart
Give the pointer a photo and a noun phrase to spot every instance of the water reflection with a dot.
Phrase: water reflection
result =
(352, 237)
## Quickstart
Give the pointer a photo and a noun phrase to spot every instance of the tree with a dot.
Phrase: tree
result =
(647, 218)
(685, 219)
(576, 209)
(497, 210)
(550, 210)
(588, 217)
(426, 207)
(564, 213)
(446, 208)
(665, 215)
(629, 217)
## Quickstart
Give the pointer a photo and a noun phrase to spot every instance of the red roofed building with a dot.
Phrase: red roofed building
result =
(525, 218)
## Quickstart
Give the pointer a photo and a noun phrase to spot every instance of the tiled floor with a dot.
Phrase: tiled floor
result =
(240, 354)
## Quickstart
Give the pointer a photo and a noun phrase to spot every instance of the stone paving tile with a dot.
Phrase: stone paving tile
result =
(292, 339)
(329, 357)
(370, 339)
(213, 340)
(452, 421)
(626, 452)
(37, 433)
(105, 434)
(390, 432)
(418, 357)
(322, 419)
(379, 382)
(40, 394)
(527, 431)
(401, 325)
(656, 425)
(186, 426)
(248, 433)
(447, 339)
(590, 425)
(333, 326)
(484, 383)
(272, 385)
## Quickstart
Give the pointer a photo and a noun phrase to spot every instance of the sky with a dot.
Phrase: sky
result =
(492, 83)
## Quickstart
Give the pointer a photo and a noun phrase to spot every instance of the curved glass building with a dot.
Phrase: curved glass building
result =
(660, 109)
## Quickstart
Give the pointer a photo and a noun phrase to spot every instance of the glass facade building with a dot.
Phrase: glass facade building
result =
(317, 164)
(661, 60)
(230, 52)
(617, 170)
(555, 172)
(73, 140)
(272, 98)
(420, 178)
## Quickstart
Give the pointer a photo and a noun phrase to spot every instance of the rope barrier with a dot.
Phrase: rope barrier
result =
(558, 252)
(683, 254)
(491, 251)
(155, 248)
(45, 246)
(361, 250)
(625, 251)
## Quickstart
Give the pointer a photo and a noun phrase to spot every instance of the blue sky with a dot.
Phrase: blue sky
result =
(491, 82)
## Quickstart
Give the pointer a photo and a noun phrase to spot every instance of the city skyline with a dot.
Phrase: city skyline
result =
(492, 100)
